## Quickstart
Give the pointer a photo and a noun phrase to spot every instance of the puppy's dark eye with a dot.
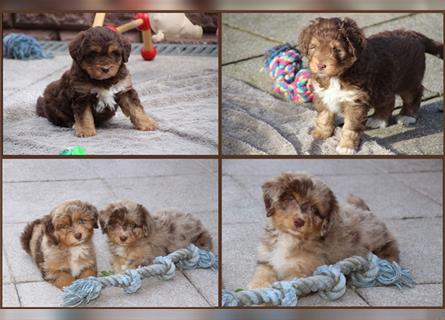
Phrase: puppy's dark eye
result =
(80, 221)
(312, 47)
(316, 211)
(62, 226)
(115, 53)
(336, 50)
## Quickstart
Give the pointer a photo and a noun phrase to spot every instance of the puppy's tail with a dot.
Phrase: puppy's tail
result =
(39, 108)
(358, 202)
(431, 46)
(204, 241)
(25, 237)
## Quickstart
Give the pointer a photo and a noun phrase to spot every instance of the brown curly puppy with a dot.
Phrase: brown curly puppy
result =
(135, 237)
(352, 73)
(60, 243)
(97, 83)
(307, 228)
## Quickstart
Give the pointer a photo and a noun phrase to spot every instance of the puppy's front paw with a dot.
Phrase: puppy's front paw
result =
(406, 120)
(375, 123)
(345, 150)
(321, 134)
(146, 125)
(84, 132)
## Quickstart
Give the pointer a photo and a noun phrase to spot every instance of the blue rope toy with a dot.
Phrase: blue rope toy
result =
(22, 47)
(84, 290)
(328, 280)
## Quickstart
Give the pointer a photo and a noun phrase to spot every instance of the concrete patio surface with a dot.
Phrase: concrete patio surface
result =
(31, 188)
(405, 194)
(247, 36)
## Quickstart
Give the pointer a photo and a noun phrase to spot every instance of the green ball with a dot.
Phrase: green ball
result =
(74, 151)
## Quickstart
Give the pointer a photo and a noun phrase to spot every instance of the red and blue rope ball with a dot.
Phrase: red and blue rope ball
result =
(284, 64)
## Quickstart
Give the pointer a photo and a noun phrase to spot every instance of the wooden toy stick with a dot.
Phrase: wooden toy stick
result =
(146, 38)
(130, 25)
(99, 19)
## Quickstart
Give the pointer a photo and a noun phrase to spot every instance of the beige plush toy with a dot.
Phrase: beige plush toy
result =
(170, 26)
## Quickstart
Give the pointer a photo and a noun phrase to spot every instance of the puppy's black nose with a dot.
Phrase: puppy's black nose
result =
(321, 66)
(123, 238)
(299, 223)
(105, 69)
(78, 235)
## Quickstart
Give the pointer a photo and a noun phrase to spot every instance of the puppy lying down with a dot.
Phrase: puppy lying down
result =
(307, 228)
(135, 237)
(96, 85)
(60, 243)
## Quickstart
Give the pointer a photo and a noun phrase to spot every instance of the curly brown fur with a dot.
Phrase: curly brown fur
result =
(135, 236)
(98, 82)
(306, 228)
(60, 243)
(352, 73)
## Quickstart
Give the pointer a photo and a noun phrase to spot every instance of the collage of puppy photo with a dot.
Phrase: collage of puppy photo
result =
(222, 159)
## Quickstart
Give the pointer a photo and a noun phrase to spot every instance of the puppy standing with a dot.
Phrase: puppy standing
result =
(135, 237)
(97, 83)
(352, 73)
(306, 228)
(60, 243)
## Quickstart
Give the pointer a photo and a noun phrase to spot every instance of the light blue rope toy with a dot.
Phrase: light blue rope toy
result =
(84, 290)
(22, 47)
(329, 281)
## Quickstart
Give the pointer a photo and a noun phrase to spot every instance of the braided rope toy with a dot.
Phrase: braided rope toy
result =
(284, 64)
(84, 290)
(328, 280)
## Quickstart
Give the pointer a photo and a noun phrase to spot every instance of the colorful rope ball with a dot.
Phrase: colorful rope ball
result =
(284, 64)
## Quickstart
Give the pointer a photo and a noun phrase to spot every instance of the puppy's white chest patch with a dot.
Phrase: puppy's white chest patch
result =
(77, 253)
(333, 95)
(106, 97)
(282, 256)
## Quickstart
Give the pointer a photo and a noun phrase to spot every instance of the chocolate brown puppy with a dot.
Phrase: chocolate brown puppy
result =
(307, 228)
(96, 85)
(60, 243)
(352, 74)
(135, 237)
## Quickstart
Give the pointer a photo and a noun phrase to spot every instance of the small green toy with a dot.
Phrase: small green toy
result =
(74, 151)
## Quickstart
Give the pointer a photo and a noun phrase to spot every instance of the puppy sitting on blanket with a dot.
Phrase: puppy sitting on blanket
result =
(135, 237)
(61, 243)
(307, 228)
(97, 83)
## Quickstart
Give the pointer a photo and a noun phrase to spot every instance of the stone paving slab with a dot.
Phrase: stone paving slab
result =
(167, 192)
(9, 296)
(285, 27)
(425, 137)
(151, 182)
(44, 196)
(240, 45)
(407, 205)
(424, 295)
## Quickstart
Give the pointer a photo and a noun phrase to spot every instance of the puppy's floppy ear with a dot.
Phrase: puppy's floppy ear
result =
(268, 191)
(93, 211)
(104, 217)
(49, 229)
(305, 37)
(126, 47)
(75, 47)
(354, 36)
(331, 216)
(147, 220)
